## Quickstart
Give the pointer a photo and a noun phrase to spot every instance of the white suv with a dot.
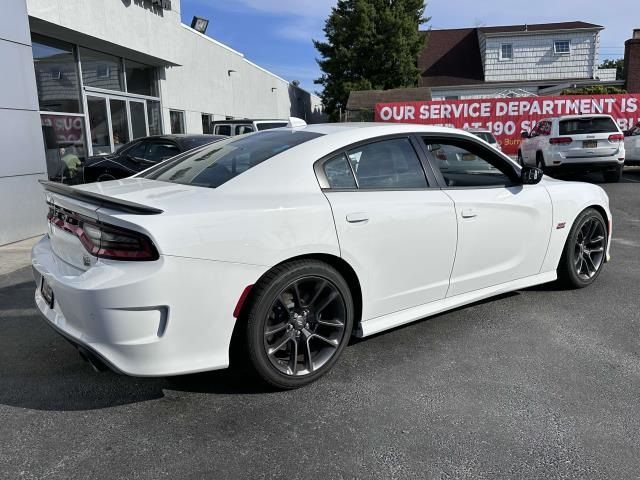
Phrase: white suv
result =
(582, 143)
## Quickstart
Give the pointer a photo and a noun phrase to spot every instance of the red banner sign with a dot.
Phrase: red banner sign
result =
(508, 117)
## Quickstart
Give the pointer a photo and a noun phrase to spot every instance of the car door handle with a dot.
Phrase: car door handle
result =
(469, 213)
(357, 217)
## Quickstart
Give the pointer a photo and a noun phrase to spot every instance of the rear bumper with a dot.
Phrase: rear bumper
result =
(596, 165)
(167, 317)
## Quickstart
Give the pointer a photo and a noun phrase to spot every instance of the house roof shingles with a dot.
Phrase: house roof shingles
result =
(453, 57)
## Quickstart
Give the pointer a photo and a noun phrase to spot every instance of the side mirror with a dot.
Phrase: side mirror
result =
(530, 175)
(524, 134)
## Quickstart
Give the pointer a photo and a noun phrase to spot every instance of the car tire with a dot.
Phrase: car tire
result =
(520, 159)
(613, 176)
(585, 250)
(299, 322)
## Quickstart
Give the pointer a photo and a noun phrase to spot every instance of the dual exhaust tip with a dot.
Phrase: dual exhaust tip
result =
(92, 359)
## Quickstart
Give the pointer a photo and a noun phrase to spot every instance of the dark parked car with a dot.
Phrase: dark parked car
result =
(141, 154)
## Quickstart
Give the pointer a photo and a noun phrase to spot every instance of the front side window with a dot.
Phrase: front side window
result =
(466, 164)
(506, 51)
(176, 118)
(387, 164)
(218, 163)
(101, 70)
(562, 47)
(544, 128)
(338, 172)
(158, 152)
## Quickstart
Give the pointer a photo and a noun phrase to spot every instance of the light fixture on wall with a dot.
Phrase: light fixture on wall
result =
(229, 72)
(273, 89)
(199, 24)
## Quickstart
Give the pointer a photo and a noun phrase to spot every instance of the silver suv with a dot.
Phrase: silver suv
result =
(576, 143)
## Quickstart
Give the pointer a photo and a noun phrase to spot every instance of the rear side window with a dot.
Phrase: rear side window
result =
(222, 130)
(221, 161)
(338, 172)
(387, 164)
(580, 126)
(242, 129)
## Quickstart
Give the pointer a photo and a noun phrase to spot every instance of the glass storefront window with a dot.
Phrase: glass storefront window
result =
(141, 79)
(154, 115)
(99, 125)
(101, 70)
(56, 75)
(177, 121)
(63, 137)
(119, 122)
(138, 122)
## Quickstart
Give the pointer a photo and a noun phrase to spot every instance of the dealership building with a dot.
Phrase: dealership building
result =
(84, 77)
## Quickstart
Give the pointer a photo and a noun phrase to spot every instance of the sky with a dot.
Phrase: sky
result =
(277, 34)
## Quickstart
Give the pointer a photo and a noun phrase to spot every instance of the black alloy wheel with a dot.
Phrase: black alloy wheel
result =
(299, 324)
(585, 250)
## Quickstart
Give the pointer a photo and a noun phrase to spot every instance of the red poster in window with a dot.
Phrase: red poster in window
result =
(508, 117)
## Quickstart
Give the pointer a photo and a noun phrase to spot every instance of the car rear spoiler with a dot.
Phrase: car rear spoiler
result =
(101, 200)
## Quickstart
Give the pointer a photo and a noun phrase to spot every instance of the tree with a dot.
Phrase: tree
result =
(370, 44)
(617, 64)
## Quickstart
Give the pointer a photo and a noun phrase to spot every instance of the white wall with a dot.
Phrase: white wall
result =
(22, 207)
(133, 24)
(248, 91)
(194, 74)
(534, 57)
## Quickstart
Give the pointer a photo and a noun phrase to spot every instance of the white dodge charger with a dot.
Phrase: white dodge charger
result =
(283, 244)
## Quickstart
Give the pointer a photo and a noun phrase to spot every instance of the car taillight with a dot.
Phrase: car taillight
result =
(103, 240)
(616, 137)
(560, 140)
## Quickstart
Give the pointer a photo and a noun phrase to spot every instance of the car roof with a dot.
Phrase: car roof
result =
(586, 115)
(180, 136)
(478, 130)
(373, 128)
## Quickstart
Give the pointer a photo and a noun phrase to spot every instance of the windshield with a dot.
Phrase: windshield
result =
(580, 126)
(220, 162)
(486, 136)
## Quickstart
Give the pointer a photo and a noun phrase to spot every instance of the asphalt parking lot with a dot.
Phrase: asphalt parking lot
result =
(541, 383)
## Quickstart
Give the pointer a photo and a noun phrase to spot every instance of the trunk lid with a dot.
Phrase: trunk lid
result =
(135, 204)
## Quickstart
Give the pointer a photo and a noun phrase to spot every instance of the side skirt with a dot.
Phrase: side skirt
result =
(385, 322)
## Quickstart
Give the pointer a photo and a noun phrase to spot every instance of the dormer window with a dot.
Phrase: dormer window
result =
(506, 51)
(562, 47)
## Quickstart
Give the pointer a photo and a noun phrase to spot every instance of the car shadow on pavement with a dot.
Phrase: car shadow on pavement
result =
(40, 370)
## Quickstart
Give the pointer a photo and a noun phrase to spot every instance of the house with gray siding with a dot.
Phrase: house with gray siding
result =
(512, 60)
